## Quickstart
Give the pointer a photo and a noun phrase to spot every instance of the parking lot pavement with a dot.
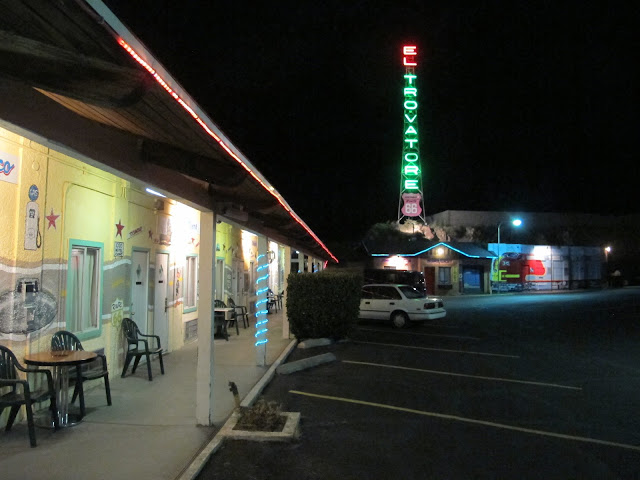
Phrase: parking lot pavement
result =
(434, 402)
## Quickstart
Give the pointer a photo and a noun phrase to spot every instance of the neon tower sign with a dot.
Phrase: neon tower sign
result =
(411, 203)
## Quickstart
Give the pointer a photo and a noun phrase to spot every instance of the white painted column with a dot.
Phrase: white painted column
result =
(287, 271)
(262, 286)
(206, 282)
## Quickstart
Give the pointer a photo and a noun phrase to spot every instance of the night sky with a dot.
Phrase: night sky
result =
(524, 105)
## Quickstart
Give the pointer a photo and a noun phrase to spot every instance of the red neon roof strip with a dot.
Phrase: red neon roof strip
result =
(206, 128)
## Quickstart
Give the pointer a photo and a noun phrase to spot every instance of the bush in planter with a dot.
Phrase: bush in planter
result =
(323, 304)
(263, 416)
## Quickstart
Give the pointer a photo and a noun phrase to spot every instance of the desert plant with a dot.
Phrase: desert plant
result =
(262, 416)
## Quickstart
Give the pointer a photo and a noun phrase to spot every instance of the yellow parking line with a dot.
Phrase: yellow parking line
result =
(439, 349)
(473, 421)
(401, 332)
(440, 325)
(479, 377)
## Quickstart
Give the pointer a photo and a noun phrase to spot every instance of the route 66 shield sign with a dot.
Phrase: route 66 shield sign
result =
(411, 206)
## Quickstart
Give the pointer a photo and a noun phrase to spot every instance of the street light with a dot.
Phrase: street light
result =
(516, 222)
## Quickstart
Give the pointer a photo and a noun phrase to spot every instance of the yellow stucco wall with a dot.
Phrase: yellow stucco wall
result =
(87, 204)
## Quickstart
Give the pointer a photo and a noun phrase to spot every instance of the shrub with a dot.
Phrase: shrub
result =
(323, 304)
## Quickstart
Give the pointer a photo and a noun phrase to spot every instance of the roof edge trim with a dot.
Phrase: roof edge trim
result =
(141, 55)
(431, 248)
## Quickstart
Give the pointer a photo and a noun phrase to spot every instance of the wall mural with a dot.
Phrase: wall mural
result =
(117, 312)
(177, 282)
(26, 309)
(119, 228)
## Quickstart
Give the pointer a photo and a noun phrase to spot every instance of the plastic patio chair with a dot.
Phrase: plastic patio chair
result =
(240, 311)
(14, 398)
(234, 319)
(280, 297)
(64, 340)
(135, 338)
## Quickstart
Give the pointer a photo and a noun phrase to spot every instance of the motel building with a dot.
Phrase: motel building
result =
(121, 198)
(457, 268)
(449, 268)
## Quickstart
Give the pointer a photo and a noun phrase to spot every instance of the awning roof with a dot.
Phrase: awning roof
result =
(415, 247)
(71, 65)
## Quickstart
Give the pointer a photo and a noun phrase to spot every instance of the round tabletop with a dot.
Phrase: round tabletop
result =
(59, 357)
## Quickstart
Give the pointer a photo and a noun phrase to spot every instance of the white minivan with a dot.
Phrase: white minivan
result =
(399, 304)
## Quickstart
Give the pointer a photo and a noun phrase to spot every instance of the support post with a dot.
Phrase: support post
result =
(206, 330)
(262, 287)
(287, 271)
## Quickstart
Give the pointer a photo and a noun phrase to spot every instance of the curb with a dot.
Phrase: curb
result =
(315, 342)
(305, 363)
(289, 433)
(266, 378)
(193, 469)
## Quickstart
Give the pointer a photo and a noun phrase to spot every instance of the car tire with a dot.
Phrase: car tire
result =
(399, 320)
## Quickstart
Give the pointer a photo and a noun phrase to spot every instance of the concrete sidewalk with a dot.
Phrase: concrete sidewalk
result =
(150, 431)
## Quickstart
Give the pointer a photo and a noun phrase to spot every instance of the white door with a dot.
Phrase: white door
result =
(160, 304)
(140, 289)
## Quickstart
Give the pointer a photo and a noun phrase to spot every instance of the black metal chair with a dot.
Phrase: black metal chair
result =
(9, 377)
(234, 319)
(240, 311)
(64, 340)
(134, 349)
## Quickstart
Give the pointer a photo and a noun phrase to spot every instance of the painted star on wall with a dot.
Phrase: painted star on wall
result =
(119, 226)
(52, 220)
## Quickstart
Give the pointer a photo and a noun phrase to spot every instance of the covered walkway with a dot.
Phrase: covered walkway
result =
(151, 426)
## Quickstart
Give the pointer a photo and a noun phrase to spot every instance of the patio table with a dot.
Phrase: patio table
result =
(60, 361)
(222, 315)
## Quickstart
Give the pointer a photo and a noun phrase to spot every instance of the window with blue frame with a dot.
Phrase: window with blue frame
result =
(190, 283)
(84, 289)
